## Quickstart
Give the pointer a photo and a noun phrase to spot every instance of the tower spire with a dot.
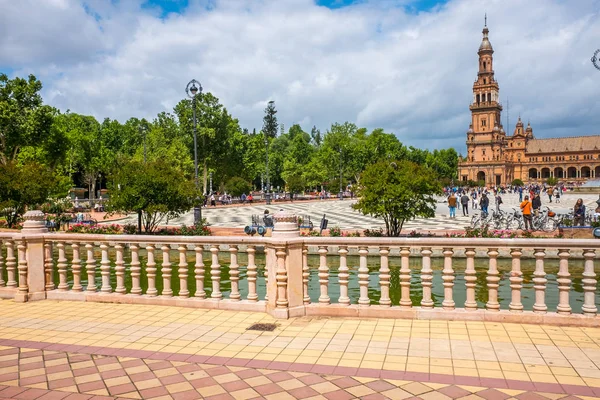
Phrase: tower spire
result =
(485, 25)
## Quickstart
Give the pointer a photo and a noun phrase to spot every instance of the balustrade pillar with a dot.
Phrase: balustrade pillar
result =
(2, 282)
(252, 273)
(120, 269)
(151, 271)
(448, 278)
(343, 276)
(305, 275)
(215, 273)
(166, 271)
(234, 273)
(76, 267)
(384, 276)
(589, 283)
(48, 266)
(23, 289)
(564, 282)
(470, 280)
(405, 301)
(182, 271)
(105, 269)
(62, 268)
(323, 276)
(266, 275)
(199, 272)
(426, 277)
(90, 267)
(493, 279)
(281, 277)
(11, 264)
(363, 277)
(136, 270)
(539, 282)
(516, 281)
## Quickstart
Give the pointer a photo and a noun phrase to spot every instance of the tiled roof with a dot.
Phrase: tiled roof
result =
(559, 145)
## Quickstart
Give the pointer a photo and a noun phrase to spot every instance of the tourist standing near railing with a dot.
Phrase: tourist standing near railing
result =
(526, 210)
(579, 213)
(464, 200)
(536, 204)
(452, 205)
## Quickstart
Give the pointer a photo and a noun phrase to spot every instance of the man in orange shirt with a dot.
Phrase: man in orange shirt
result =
(526, 209)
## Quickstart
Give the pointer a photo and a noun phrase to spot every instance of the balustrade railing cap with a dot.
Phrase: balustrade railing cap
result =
(34, 222)
(286, 224)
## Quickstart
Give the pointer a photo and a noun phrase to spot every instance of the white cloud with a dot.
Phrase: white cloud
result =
(374, 64)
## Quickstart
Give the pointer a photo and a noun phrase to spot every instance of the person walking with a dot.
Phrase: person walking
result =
(556, 195)
(520, 194)
(464, 200)
(484, 203)
(498, 202)
(550, 193)
(452, 205)
(536, 204)
(474, 199)
(526, 208)
(579, 213)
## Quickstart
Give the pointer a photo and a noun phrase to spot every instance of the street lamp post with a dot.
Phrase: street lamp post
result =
(341, 193)
(268, 186)
(211, 183)
(191, 89)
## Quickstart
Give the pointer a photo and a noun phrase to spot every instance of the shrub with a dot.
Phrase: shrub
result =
(129, 229)
(374, 232)
(335, 231)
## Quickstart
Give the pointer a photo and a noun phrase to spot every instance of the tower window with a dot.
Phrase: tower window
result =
(483, 122)
(484, 81)
(484, 65)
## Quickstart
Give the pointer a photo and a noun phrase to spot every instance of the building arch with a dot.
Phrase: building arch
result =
(533, 173)
(481, 176)
(586, 172)
(572, 172)
(559, 172)
(597, 172)
(545, 173)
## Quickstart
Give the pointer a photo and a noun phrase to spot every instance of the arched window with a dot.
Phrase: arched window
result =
(484, 65)
(489, 97)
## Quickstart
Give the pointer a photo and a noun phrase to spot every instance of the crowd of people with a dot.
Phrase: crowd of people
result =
(530, 200)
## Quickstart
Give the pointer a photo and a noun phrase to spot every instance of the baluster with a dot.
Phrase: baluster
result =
(448, 278)
(589, 283)
(183, 271)
(104, 269)
(62, 268)
(76, 267)
(151, 271)
(343, 276)
(516, 281)
(564, 282)
(266, 274)
(234, 273)
(363, 277)
(2, 282)
(120, 269)
(470, 279)
(252, 273)
(305, 275)
(199, 272)
(539, 282)
(23, 287)
(405, 301)
(215, 273)
(281, 276)
(136, 270)
(493, 277)
(90, 266)
(323, 276)
(384, 277)
(166, 271)
(11, 264)
(48, 266)
(426, 277)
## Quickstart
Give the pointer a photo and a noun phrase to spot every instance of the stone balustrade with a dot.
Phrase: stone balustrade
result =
(224, 272)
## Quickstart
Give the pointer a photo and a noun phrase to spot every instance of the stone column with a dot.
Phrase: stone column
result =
(286, 268)
(33, 230)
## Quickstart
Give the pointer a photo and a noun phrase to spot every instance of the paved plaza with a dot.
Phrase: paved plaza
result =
(341, 213)
(73, 350)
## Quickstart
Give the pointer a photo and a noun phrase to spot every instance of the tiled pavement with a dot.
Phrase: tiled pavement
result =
(56, 350)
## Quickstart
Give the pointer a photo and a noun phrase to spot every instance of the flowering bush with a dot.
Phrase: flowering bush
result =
(311, 233)
(374, 232)
(129, 229)
(351, 234)
(336, 231)
(112, 229)
(414, 233)
(192, 230)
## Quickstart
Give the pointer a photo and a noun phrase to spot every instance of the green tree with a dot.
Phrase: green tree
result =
(23, 186)
(236, 186)
(552, 181)
(270, 120)
(152, 190)
(517, 182)
(397, 192)
(25, 120)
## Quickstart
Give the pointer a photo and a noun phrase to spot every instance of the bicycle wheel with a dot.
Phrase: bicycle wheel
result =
(550, 225)
(475, 220)
(514, 224)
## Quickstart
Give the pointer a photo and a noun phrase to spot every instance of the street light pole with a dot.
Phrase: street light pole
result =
(341, 193)
(193, 89)
(143, 132)
(268, 186)
(211, 183)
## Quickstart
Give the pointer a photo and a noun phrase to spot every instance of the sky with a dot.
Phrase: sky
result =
(406, 66)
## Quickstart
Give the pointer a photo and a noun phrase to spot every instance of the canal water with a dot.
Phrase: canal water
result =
(459, 293)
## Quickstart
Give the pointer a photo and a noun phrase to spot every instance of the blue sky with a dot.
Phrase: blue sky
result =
(406, 66)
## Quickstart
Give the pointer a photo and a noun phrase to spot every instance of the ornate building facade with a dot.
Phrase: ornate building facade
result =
(497, 158)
